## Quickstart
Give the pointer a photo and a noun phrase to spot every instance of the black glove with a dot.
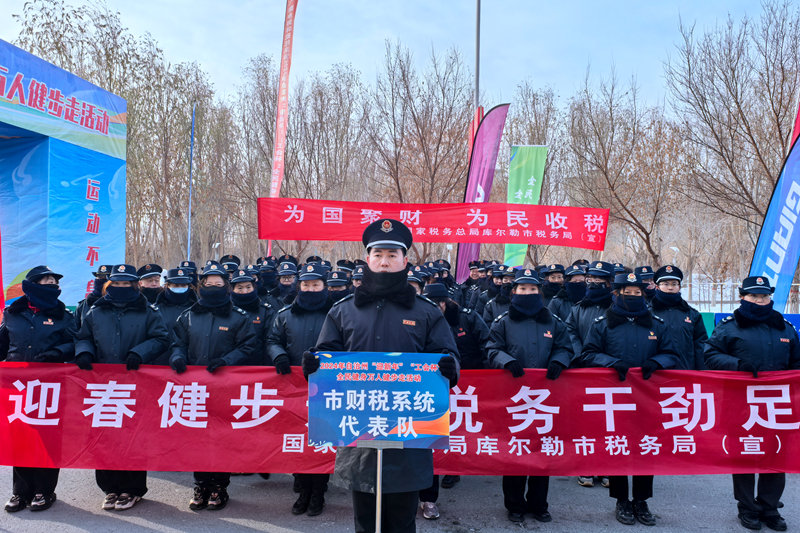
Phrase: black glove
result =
(178, 365)
(282, 365)
(447, 366)
(215, 364)
(649, 367)
(622, 368)
(133, 361)
(554, 370)
(49, 355)
(84, 361)
(747, 366)
(516, 369)
(310, 363)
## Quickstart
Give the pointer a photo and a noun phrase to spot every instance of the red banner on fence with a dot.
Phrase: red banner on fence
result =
(249, 419)
(322, 220)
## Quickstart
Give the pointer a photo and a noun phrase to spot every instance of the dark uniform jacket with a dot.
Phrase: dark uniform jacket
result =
(484, 298)
(580, 321)
(688, 331)
(405, 323)
(471, 334)
(561, 305)
(262, 316)
(83, 308)
(614, 338)
(272, 297)
(295, 331)
(24, 335)
(495, 307)
(534, 341)
(170, 313)
(203, 334)
(770, 345)
(109, 332)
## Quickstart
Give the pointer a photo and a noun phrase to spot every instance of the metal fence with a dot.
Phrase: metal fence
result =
(724, 297)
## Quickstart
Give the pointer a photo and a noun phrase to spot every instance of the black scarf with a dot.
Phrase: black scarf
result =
(214, 296)
(664, 300)
(42, 297)
(527, 304)
(241, 300)
(338, 295)
(122, 295)
(177, 298)
(650, 293)
(775, 320)
(550, 289)
(269, 279)
(755, 312)
(575, 291)
(97, 289)
(630, 306)
(311, 301)
(451, 314)
(505, 293)
(151, 293)
(493, 290)
(392, 286)
(614, 319)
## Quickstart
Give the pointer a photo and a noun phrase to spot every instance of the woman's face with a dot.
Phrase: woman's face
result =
(525, 288)
(121, 283)
(214, 281)
(244, 287)
(47, 280)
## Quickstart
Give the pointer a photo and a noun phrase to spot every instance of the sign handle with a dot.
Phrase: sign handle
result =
(379, 492)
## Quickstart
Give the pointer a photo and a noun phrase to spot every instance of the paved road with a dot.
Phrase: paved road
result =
(681, 503)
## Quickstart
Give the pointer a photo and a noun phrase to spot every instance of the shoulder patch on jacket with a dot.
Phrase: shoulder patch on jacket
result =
(558, 318)
(658, 318)
(598, 319)
(348, 297)
(153, 307)
(265, 304)
(418, 296)
(728, 319)
(285, 309)
(240, 310)
(499, 317)
(466, 311)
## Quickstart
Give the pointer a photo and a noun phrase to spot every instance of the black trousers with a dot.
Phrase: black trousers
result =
(313, 482)
(398, 512)
(431, 494)
(642, 487)
(207, 480)
(28, 482)
(770, 489)
(514, 493)
(122, 481)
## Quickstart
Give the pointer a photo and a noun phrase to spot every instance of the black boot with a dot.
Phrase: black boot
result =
(625, 513)
(448, 482)
(642, 513)
(317, 503)
(301, 505)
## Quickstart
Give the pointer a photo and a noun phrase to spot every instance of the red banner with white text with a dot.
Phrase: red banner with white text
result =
(249, 419)
(324, 220)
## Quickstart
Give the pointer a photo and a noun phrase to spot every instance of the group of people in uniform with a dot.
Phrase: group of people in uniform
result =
(281, 313)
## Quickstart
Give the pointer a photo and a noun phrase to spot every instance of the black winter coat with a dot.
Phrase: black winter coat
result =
(471, 334)
(272, 297)
(262, 316)
(24, 335)
(549, 292)
(83, 308)
(404, 323)
(614, 338)
(688, 331)
(495, 307)
(170, 313)
(770, 345)
(295, 330)
(561, 305)
(203, 334)
(580, 321)
(109, 333)
(534, 341)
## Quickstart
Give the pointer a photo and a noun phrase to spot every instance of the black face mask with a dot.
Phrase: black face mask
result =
(214, 296)
(42, 297)
(151, 293)
(649, 293)
(269, 278)
(575, 291)
(338, 295)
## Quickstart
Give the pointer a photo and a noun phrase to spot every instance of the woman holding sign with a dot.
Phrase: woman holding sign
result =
(628, 336)
(756, 338)
(212, 333)
(296, 330)
(386, 315)
(36, 327)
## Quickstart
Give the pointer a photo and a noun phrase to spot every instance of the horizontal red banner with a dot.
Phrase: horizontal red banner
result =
(322, 220)
(249, 419)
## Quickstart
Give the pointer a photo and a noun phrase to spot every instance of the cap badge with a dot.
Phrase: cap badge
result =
(386, 226)
(122, 268)
(597, 265)
(760, 281)
(148, 267)
(527, 272)
(668, 269)
(334, 275)
(310, 268)
(103, 268)
(632, 278)
(180, 272)
(213, 267)
(552, 267)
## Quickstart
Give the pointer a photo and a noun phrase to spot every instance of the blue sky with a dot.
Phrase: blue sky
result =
(549, 42)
